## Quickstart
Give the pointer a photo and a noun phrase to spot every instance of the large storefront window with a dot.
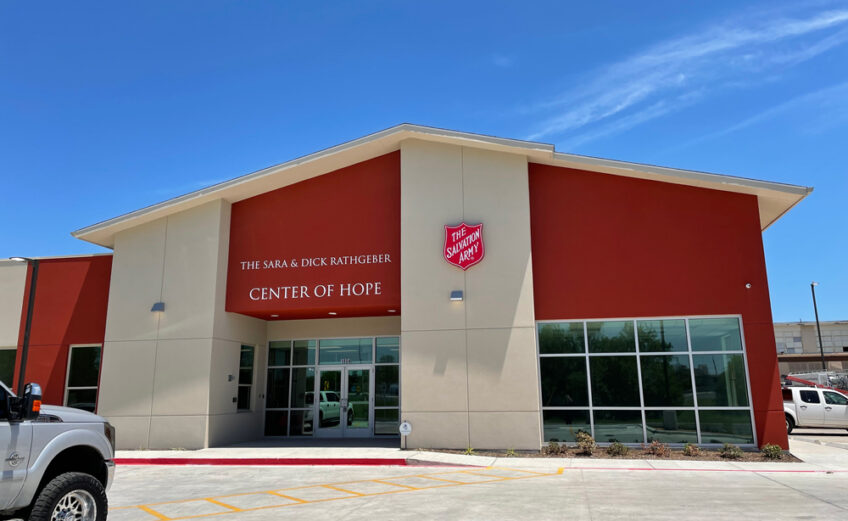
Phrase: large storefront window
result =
(328, 385)
(673, 380)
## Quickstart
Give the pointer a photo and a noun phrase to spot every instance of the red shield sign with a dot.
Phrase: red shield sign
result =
(464, 245)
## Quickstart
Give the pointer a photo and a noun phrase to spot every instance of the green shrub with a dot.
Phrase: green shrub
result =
(658, 449)
(469, 451)
(772, 451)
(554, 449)
(617, 449)
(730, 451)
(585, 443)
(510, 453)
(690, 449)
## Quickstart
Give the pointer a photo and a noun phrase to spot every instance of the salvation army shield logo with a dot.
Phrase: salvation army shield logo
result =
(464, 245)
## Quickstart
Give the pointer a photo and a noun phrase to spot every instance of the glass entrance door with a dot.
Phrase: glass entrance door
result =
(343, 402)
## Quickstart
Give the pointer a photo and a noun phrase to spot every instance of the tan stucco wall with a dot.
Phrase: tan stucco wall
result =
(12, 286)
(164, 380)
(469, 374)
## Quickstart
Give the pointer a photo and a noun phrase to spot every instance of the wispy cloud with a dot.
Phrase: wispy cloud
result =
(677, 73)
(827, 108)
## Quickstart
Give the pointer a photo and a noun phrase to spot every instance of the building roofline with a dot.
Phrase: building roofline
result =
(388, 140)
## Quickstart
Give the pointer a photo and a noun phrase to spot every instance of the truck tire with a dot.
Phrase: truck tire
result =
(790, 424)
(73, 495)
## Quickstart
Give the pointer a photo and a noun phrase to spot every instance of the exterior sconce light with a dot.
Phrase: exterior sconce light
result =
(158, 306)
(456, 295)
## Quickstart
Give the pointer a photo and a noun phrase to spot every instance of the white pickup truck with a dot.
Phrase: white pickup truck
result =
(56, 463)
(814, 407)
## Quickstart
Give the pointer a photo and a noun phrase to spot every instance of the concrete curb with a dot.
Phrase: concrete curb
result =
(264, 461)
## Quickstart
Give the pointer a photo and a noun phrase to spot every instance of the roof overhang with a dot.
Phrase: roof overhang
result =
(775, 199)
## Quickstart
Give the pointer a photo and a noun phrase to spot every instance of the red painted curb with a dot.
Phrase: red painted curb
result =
(263, 461)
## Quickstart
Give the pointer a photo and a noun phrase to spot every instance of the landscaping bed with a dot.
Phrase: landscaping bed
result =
(589, 450)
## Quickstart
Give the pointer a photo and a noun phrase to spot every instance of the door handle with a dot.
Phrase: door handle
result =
(803, 406)
(828, 408)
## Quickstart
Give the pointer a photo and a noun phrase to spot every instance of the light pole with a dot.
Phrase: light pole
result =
(30, 304)
(818, 326)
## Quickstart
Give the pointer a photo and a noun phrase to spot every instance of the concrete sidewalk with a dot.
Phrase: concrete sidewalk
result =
(817, 456)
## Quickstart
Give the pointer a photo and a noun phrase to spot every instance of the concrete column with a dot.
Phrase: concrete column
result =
(469, 375)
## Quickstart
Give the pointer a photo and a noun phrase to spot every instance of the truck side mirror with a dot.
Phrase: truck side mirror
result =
(30, 402)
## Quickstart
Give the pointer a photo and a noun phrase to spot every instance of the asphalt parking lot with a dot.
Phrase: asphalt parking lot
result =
(151, 493)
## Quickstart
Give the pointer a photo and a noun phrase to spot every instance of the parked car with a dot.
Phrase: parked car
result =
(56, 462)
(814, 407)
(329, 409)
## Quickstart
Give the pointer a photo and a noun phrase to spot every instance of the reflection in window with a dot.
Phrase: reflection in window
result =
(666, 380)
(564, 425)
(564, 381)
(624, 386)
(726, 426)
(715, 334)
(720, 380)
(565, 337)
(83, 377)
(611, 337)
(245, 380)
(620, 426)
(615, 381)
(662, 336)
(671, 426)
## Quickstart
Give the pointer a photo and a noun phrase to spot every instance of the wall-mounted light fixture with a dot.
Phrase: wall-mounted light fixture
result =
(456, 295)
(158, 306)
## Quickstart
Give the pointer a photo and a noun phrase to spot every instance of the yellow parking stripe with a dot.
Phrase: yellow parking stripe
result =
(290, 494)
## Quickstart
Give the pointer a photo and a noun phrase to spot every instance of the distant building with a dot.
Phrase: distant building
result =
(798, 346)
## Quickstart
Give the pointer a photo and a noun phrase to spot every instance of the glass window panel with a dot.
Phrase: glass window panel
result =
(303, 352)
(615, 381)
(345, 351)
(621, 426)
(564, 337)
(835, 398)
(279, 352)
(387, 350)
(564, 381)
(666, 380)
(245, 376)
(301, 423)
(243, 397)
(276, 423)
(386, 385)
(720, 380)
(715, 334)
(807, 396)
(358, 398)
(386, 421)
(611, 337)
(85, 366)
(726, 427)
(85, 399)
(564, 425)
(303, 387)
(278, 388)
(246, 359)
(7, 366)
(671, 426)
(662, 335)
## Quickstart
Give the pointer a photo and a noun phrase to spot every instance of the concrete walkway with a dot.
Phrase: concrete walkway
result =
(817, 451)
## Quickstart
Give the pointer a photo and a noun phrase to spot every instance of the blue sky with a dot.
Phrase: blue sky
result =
(106, 107)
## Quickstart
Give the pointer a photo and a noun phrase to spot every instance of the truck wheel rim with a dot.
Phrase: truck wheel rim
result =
(75, 505)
